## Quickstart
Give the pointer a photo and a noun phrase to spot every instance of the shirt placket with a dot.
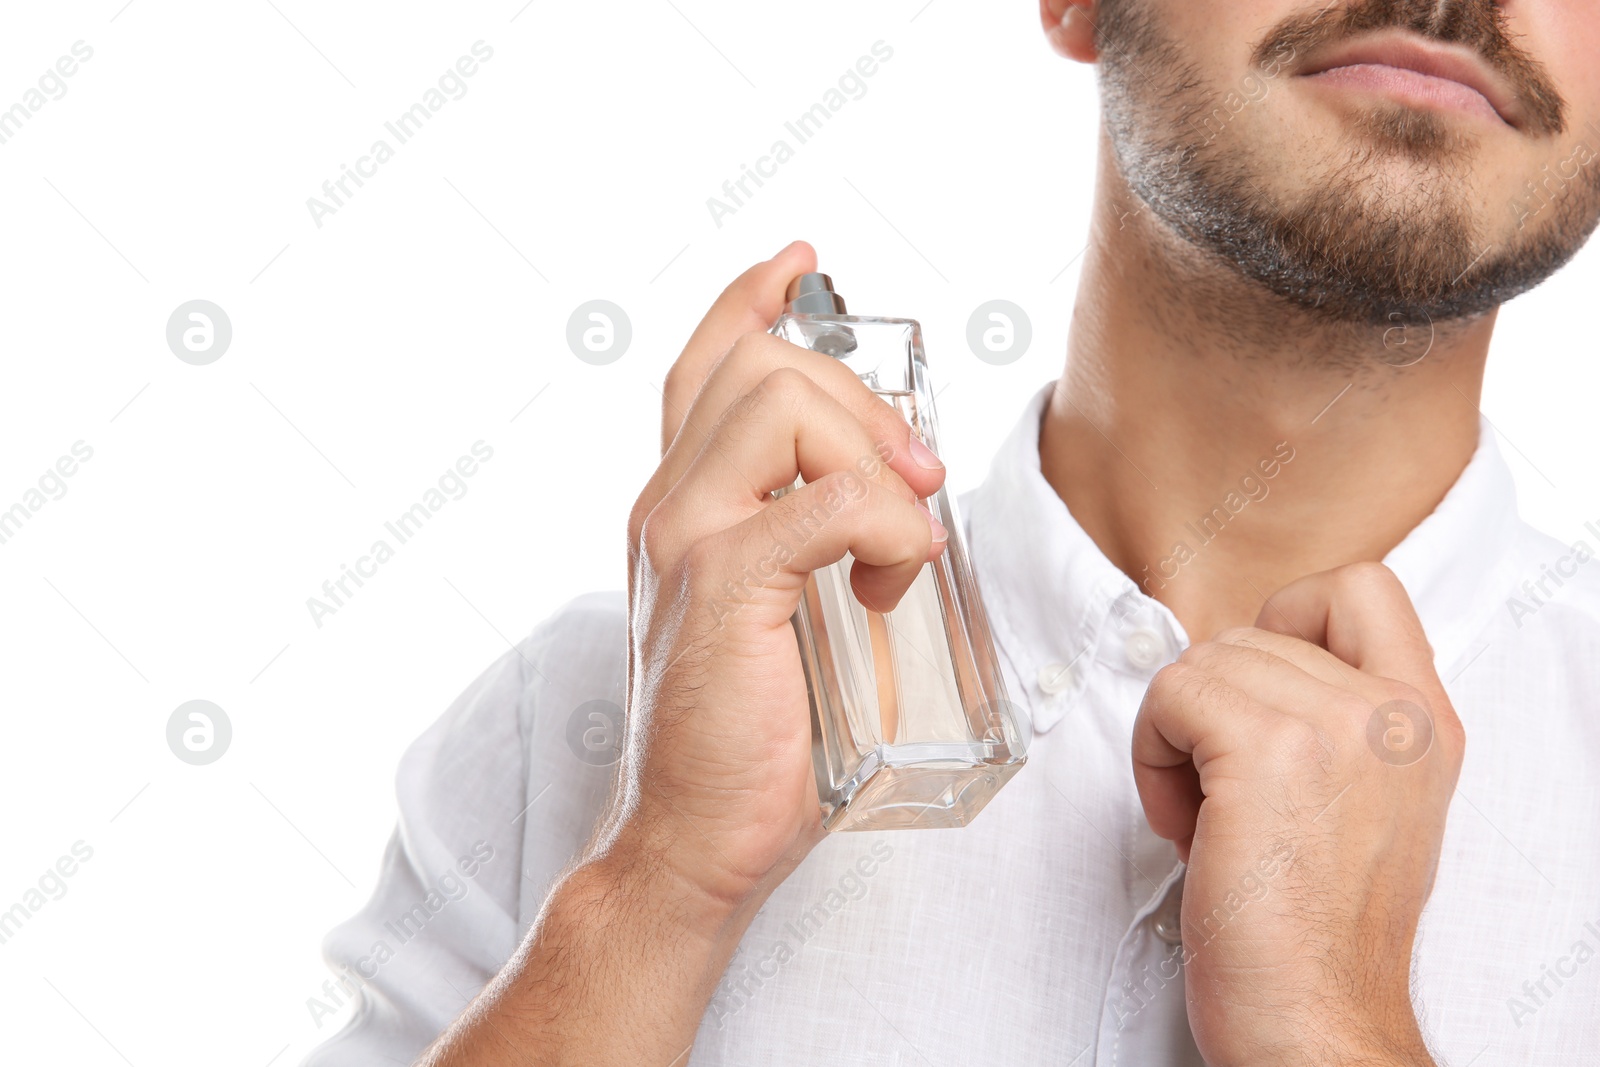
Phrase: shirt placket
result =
(1144, 1018)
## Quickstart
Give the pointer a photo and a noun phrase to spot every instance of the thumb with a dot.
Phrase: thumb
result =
(1361, 613)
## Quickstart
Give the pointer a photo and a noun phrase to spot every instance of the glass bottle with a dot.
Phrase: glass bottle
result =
(910, 722)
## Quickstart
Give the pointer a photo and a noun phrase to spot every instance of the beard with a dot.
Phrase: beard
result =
(1384, 234)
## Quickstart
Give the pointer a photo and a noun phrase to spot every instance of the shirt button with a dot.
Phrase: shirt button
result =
(1055, 677)
(1145, 649)
(1166, 922)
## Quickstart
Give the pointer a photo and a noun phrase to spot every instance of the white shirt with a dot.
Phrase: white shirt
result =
(1033, 936)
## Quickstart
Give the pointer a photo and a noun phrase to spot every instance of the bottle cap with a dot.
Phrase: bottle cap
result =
(813, 294)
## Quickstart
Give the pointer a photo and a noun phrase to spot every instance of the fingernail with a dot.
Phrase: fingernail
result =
(785, 248)
(940, 534)
(923, 456)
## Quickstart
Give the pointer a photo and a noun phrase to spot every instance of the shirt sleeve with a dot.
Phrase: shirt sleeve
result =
(468, 864)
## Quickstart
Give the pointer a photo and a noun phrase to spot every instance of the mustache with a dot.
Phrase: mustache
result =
(1476, 24)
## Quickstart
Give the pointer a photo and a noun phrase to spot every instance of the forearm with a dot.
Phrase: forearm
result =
(1354, 1048)
(618, 968)
(1375, 1029)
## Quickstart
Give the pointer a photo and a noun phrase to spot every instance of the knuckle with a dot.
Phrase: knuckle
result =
(637, 515)
(894, 438)
(1295, 742)
(684, 380)
(783, 389)
(787, 387)
(1445, 712)
(1177, 682)
(1366, 576)
(747, 347)
(914, 539)
(874, 462)
(657, 534)
(1448, 725)
(871, 465)
(842, 489)
(1168, 678)
(676, 380)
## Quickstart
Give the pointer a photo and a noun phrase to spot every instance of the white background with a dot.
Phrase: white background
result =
(368, 354)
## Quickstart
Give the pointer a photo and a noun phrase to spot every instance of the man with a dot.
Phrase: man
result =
(1252, 565)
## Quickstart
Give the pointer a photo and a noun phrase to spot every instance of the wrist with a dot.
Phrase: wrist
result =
(652, 888)
(1354, 1038)
(1400, 1047)
(619, 966)
(707, 877)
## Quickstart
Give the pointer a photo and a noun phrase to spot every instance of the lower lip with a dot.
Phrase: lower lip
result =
(1411, 87)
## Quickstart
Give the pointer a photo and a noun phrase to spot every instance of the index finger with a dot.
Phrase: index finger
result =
(753, 301)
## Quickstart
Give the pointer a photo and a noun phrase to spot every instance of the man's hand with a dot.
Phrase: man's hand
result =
(716, 800)
(1304, 768)
(717, 771)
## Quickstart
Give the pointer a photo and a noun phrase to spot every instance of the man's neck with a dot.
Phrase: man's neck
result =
(1217, 444)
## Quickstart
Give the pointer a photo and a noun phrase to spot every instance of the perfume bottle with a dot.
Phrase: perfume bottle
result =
(910, 723)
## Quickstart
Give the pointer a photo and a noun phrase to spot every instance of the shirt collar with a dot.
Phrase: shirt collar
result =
(1060, 609)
